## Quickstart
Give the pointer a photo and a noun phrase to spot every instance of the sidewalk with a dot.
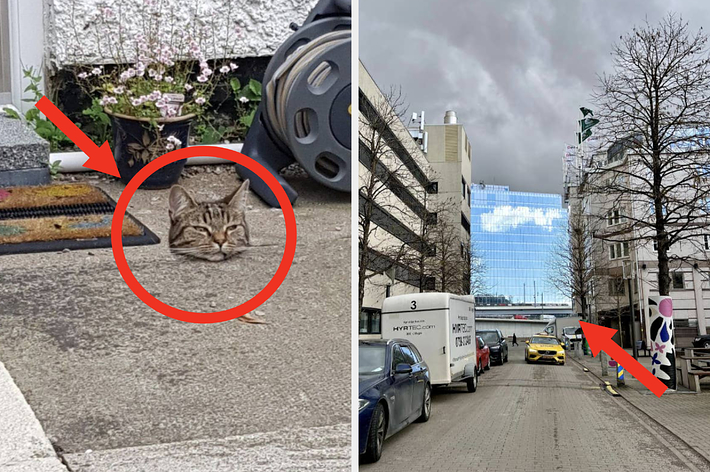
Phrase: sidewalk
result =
(682, 412)
(23, 444)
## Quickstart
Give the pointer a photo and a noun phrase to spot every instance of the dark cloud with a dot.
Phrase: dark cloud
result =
(515, 71)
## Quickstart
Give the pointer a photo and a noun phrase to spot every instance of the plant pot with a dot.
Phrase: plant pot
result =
(137, 142)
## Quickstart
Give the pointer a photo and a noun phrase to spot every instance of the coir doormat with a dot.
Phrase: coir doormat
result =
(63, 216)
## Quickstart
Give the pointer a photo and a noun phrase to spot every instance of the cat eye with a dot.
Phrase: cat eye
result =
(232, 227)
(202, 230)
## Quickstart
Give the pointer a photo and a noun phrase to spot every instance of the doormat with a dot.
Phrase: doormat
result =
(63, 216)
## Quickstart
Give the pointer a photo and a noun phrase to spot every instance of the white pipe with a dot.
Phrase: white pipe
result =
(74, 161)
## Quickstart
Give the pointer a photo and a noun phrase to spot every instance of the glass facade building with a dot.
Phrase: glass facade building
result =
(516, 234)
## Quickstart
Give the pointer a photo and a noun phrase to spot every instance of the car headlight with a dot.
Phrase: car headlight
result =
(697, 339)
(363, 404)
(531, 350)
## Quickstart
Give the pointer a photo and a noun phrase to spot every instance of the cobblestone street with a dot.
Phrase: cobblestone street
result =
(535, 418)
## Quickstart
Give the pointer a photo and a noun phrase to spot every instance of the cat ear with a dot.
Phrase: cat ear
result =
(180, 200)
(238, 200)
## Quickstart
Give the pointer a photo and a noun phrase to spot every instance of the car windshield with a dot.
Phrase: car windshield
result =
(569, 330)
(372, 358)
(490, 337)
(541, 340)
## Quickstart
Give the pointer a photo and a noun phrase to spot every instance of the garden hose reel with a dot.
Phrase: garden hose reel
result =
(305, 113)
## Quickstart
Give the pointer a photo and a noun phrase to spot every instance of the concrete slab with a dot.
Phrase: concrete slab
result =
(314, 449)
(20, 146)
(23, 444)
(103, 371)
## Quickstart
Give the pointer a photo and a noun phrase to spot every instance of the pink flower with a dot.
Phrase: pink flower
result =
(83, 75)
(202, 79)
(96, 71)
(119, 90)
(233, 66)
(131, 72)
(188, 87)
(169, 80)
(200, 100)
(224, 69)
(136, 102)
(243, 99)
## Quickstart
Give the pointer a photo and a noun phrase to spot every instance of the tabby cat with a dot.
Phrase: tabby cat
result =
(214, 231)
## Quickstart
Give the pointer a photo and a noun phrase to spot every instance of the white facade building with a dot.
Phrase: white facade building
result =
(399, 208)
(50, 34)
(622, 252)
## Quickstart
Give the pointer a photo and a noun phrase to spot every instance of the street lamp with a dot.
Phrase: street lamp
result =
(628, 273)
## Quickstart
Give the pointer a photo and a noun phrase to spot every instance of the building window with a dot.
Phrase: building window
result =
(614, 217)
(618, 250)
(706, 240)
(370, 321)
(463, 188)
(655, 245)
(678, 282)
(616, 286)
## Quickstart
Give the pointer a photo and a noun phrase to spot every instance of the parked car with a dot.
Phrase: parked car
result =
(484, 355)
(545, 349)
(497, 344)
(394, 391)
(702, 341)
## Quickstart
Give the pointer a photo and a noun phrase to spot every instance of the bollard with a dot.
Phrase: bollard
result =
(605, 366)
(620, 382)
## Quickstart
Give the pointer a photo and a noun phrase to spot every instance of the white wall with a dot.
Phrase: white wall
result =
(264, 25)
(521, 328)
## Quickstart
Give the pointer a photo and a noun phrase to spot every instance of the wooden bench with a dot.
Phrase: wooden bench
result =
(691, 371)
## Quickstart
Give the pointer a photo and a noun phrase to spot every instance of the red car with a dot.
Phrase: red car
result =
(484, 355)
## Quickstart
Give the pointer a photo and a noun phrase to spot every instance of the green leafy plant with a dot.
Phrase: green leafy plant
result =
(46, 129)
(248, 99)
(54, 168)
(100, 127)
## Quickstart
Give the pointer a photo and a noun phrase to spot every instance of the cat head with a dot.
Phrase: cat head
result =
(208, 230)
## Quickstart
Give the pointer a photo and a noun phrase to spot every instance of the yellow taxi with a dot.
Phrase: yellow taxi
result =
(544, 348)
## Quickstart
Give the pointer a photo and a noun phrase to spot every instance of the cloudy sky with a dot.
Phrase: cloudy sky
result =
(515, 71)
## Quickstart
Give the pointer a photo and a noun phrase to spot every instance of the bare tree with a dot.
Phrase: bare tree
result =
(450, 264)
(384, 173)
(654, 114)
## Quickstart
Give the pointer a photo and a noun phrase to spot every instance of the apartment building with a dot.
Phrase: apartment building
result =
(624, 253)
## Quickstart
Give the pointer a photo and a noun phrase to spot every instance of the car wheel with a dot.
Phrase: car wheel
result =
(376, 436)
(505, 359)
(472, 383)
(488, 366)
(426, 406)
(707, 344)
(480, 368)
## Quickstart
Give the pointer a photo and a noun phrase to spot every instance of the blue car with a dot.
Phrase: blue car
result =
(395, 390)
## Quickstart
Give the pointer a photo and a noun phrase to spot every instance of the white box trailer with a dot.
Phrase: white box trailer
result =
(442, 327)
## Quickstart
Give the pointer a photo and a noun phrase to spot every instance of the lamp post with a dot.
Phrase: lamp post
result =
(628, 275)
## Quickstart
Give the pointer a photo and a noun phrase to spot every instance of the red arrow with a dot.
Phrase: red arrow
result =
(100, 158)
(599, 339)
